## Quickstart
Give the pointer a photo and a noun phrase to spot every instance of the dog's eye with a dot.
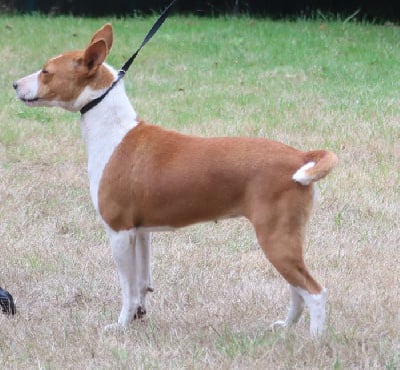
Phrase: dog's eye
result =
(45, 71)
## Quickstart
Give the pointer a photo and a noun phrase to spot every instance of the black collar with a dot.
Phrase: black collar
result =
(96, 101)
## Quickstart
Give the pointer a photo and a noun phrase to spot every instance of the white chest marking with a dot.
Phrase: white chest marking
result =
(103, 128)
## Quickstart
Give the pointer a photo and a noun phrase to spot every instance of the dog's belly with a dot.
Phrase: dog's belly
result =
(168, 209)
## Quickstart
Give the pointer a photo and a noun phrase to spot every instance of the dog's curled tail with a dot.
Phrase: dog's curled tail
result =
(318, 163)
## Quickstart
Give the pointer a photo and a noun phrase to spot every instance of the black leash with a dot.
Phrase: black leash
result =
(128, 63)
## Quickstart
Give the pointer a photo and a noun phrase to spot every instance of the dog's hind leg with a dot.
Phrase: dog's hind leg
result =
(283, 247)
(123, 244)
(295, 310)
(316, 304)
(143, 266)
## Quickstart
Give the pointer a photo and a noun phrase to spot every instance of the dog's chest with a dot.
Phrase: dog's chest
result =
(102, 135)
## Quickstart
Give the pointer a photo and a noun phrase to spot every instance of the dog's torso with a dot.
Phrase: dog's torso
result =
(161, 178)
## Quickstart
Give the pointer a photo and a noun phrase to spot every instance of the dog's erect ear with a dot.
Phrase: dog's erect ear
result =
(99, 47)
(104, 33)
(94, 55)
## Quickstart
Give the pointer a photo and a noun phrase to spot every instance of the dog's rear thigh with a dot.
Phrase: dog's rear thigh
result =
(285, 252)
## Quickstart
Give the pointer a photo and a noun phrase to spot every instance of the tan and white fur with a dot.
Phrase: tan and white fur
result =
(144, 178)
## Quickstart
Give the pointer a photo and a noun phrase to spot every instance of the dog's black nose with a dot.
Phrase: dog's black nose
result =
(15, 85)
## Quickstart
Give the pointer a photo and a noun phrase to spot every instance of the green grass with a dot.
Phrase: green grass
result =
(313, 85)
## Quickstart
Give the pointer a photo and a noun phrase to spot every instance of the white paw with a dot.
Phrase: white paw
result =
(316, 332)
(277, 325)
(114, 328)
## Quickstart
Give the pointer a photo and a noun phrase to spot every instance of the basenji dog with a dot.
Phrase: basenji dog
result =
(144, 178)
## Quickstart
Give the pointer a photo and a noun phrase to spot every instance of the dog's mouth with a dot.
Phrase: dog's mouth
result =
(29, 102)
(23, 95)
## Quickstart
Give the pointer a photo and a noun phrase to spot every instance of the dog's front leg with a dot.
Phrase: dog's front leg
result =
(143, 267)
(123, 244)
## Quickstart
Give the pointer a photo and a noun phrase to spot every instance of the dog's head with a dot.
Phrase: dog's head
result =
(71, 79)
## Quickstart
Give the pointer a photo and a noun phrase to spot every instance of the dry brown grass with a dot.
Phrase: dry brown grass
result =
(215, 293)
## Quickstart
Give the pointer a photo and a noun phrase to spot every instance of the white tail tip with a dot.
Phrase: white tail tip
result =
(301, 174)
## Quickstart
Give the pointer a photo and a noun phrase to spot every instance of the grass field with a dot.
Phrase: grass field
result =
(332, 85)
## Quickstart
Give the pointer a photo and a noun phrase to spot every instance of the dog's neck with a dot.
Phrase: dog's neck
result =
(103, 128)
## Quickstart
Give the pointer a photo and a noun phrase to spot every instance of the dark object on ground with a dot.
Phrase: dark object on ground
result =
(7, 302)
